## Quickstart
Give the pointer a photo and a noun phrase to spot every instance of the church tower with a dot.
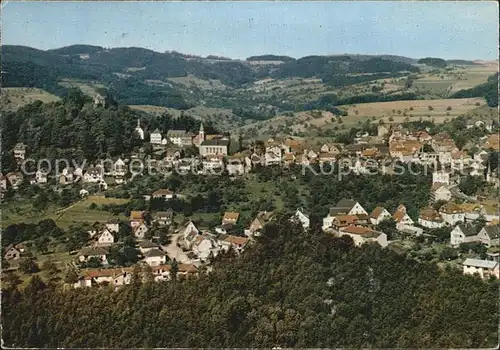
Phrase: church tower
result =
(139, 130)
(201, 134)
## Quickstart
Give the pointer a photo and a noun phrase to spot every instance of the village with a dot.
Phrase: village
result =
(191, 248)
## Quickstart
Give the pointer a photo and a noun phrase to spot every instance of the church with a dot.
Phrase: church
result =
(139, 130)
(211, 144)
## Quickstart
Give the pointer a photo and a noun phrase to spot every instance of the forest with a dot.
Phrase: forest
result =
(433, 62)
(76, 129)
(488, 90)
(291, 289)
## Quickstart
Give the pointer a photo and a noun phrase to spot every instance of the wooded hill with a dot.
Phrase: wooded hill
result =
(28, 67)
(291, 289)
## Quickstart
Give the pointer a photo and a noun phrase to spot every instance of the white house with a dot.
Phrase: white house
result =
(155, 137)
(354, 208)
(93, 252)
(235, 167)
(441, 176)
(190, 227)
(93, 175)
(155, 257)
(236, 242)
(403, 220)
(484, 268)
(163, 193)
(261, 219)
(302, 218)
(180, 137)
(145, 246)
(378, 215)
(490, 235)
(113, 225)
(19, 151)
(41, 176)
(463, 233)
(230, 217)
(140, 230)
(430, 218)
(163, 218)
(343, 207)
(452, 214)
(361, 235)
(205, 245)
(119, 168)
(12, 253)
(440, 192)
(83, 193)
(105, 238)
(271, 158)
(136, 218)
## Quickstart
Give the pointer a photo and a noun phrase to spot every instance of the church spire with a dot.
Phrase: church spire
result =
(138, 123)
(201, 133)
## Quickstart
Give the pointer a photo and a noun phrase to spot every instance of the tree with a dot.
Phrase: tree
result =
(448, 108)
(93, 262)
(147, 273)
(389, 228)
(71, 275)
(42, 244)
(430, 108)
(174, 269)
(448, 254)
(12, 279)
(28, 266)
(50, 267)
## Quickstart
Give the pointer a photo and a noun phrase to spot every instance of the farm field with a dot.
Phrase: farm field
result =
(79, 212)
(475, 75)
(14, 98)
(192, 81)
(305, 121)
(87, 88)
(458, 106)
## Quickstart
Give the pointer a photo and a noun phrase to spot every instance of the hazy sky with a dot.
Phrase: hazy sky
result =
(467, 30)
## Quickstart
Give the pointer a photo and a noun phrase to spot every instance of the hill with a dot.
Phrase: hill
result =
(488, 90)
(290, 289)
(257, 88)
(270, 58)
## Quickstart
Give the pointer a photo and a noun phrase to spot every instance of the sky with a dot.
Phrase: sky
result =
(461, 30)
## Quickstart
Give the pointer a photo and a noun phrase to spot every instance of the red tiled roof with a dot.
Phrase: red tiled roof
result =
(376, 212)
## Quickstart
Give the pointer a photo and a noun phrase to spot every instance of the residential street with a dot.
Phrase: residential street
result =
(173, 251)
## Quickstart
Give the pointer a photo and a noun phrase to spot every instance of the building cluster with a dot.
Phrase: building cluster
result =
(367, 154)
(348, 217)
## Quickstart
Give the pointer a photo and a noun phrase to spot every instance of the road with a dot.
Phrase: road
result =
(455, 191)
(174, 252)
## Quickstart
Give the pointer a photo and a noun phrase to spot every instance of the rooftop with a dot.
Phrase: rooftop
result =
(154, 253)
(485, 264)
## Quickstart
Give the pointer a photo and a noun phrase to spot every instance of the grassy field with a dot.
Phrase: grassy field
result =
(222, 118)
(192, 81)
(79, 212)
(87, 88)
(14, 98)
(454, 78)
(475, 75)
(420, 108)
(305, 121)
